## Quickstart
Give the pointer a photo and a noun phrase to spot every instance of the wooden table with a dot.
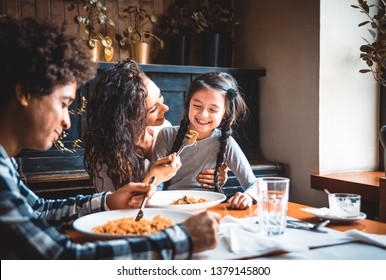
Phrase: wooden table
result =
(294, 210)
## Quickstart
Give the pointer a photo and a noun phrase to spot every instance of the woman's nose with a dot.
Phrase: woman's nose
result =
(66, 122)
(165, 107)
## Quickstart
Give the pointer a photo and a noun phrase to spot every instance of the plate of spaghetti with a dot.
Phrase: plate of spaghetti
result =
(191, 201)
(121, 223)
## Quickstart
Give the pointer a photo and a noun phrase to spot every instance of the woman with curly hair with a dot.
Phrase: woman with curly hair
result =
(124, 109)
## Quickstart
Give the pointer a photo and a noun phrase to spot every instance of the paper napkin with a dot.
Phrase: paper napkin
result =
(242, 236)
(369, 238)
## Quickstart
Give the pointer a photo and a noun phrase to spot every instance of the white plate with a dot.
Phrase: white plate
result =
(163, 199)
(86, 223)
(323, 213)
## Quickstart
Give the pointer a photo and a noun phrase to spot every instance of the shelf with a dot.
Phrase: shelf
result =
(367, 184)
(364, 183)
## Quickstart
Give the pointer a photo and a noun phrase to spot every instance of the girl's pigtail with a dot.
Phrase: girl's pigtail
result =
(184, 125)
(226, 132)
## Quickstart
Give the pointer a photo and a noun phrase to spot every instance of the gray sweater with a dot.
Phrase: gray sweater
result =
(202, 156)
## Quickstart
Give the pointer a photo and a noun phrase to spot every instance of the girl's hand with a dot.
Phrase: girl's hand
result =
(240, 201)
(206, 177)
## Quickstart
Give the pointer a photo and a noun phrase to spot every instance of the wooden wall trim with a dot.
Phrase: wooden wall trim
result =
(382, 200)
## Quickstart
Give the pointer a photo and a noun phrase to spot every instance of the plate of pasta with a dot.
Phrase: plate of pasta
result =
(121, 223)
(190, 201)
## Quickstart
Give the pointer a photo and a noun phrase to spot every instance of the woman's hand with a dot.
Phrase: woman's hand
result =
(164, 169)
(240, 201)
(206, 177)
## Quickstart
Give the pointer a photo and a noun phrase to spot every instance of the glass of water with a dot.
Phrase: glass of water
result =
(272, 204)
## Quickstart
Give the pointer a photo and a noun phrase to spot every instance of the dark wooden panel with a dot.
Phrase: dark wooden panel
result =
(28, 8)
(232, 185)
(382, 200)
(175, 101)
(173, 87)
(42, 10)
(56, 12)
(72, 27)
(170, 81)
(43, 164)
(12, 7)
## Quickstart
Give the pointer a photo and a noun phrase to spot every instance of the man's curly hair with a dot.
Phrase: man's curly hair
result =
(39, 56)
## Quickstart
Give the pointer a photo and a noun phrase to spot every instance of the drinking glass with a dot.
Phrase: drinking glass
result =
(272, 204)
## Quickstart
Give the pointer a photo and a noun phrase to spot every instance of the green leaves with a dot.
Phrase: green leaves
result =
(373, 53)
(95, 13)
(363, 23)
(139, 19)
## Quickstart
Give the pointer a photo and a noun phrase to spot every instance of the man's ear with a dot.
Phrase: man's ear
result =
(23, 98)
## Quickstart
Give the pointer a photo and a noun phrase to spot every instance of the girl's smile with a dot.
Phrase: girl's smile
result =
(206, 111)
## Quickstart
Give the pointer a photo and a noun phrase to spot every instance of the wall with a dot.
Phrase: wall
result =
(58, 11)
(318, 114)
(349, 119)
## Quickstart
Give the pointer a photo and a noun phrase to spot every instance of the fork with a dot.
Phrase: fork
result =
(218, 189)
(183, 147)
(140, 212)
(308, 226)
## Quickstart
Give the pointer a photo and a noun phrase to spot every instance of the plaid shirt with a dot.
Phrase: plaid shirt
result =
(27, 226)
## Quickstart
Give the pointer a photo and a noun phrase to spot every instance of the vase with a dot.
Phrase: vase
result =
(140, 52)
(96, 50)
(216, 50)
(179, 50)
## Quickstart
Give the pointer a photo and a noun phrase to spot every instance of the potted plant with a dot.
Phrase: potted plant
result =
(136, 36)
(95, 13)
(373, 53)
(216, 22)
(177, 26)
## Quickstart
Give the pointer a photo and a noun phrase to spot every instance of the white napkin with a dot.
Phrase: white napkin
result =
(369, 238)
(243, 236)
(317, 211)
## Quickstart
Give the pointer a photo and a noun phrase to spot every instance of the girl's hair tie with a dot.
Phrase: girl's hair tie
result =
(232, 93)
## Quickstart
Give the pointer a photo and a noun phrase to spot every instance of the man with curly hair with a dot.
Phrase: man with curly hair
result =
(41, 68)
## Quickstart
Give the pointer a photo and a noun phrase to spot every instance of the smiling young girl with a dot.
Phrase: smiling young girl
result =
(213, 104)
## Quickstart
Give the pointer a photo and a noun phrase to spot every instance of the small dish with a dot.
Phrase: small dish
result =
(324, 213)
